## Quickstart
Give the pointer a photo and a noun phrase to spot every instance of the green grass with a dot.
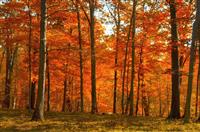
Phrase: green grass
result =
(78, 122)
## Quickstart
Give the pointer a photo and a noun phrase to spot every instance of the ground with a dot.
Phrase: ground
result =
(56, 122)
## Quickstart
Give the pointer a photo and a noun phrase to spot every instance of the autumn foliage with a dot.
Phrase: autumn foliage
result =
(20, 37)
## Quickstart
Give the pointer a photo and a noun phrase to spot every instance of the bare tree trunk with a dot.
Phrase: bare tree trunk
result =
(160, 100)
(145, 104)
(49, 85)
(125, 63)
(167, 94)
(139, 76)
(29, 55)
(117, 23)
(32, 97)
(81, 57)
(138, 92)
(6, 101)
(64, 96)
(38, 114)
(190, 80)
(127, 92)
(195, 39)
(10, 60)
(93, 57)
(175, 105)
(133, 59)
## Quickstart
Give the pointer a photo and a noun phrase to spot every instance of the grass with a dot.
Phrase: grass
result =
(78, 122)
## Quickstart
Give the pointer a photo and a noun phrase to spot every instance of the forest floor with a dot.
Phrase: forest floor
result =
(78, 122)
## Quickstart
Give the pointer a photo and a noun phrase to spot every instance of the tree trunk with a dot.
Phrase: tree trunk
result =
(167, 103)
(145, 103)
(93, 57)
(32, 95)
(10, 59)
(124, 64)
(127, 92)
(133, 58)
(38, 114)
(139, 74)
(160, 99)
(190, 80)
(81, 57)
(29, 55)
(64, 96)
(117, 23)
(138, 93)
(195, 39)
(175, 105)
(6, 101)
(49, 85)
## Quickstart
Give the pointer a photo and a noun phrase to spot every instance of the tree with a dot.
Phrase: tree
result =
(117, 23)
(175, 105)
(195, 39)
(10, 58)
(64, 95)
(80, 54)
(133, 58)
(48, 83)
(39, 110)
(125, 65)
(29, 54)
(93, 58)
(32, 95)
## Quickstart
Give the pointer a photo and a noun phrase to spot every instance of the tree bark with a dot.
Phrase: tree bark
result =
(190, 80)
(29, 55)
(124, 64)
(117, 23)
(48, 84)
(38, 114)
(160, 100)
(195, 39)
(32, 95)
(10, 60)
(93, 57)
(133, 58)
(64, 96)
(6, 101)
(175, 105)
(81, 56)
(139, 75)
(127, 91)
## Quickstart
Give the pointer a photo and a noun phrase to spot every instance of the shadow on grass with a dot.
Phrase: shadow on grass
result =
(60, 121)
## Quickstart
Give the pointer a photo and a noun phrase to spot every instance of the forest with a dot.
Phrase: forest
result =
(99, 65)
